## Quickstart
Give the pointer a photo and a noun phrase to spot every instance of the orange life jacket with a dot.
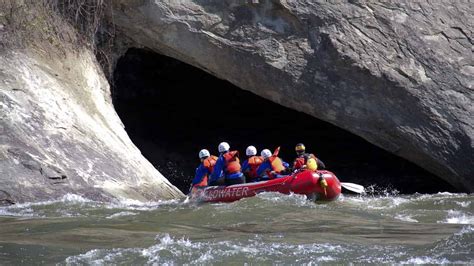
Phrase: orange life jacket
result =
(209, 163)
(232, 162)
(301, 161)
(277, 164)
(254, 162)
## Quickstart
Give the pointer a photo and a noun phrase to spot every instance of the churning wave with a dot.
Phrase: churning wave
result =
(171, 250)
(450, 208)
(72, 205)
(272, 228)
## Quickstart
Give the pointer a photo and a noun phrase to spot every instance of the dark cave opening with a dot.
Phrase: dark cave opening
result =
(171, 110)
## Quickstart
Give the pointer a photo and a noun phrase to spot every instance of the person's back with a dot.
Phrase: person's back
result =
(272, 165)
(250, 166)
(204, 169)
(227, 169)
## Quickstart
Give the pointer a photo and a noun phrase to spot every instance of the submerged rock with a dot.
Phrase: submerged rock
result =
(397, 74)
(59, 134)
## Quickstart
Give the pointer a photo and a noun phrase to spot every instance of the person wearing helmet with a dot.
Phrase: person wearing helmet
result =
(306, 160)
(250, 166)
(204, 170)
(227, 169)
(272, 165)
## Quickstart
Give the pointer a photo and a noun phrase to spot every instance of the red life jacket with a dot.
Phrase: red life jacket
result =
(232, 162)
(209, 163)
(302, 159)
(254, 162)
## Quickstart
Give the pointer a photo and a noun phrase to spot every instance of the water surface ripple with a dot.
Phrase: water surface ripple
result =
(269, 228)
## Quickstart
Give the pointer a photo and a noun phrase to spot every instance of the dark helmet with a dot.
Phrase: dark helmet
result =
(300, 148)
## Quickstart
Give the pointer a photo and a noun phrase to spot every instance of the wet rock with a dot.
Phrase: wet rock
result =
(5, 198)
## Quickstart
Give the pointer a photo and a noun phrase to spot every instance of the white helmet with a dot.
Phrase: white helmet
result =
(250, 151)
(204, 153)
(223, 147)
(266, 153)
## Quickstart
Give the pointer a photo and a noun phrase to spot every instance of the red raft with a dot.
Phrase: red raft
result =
(307, 183)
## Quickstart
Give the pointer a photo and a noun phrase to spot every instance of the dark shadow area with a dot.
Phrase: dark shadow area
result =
(171, 110)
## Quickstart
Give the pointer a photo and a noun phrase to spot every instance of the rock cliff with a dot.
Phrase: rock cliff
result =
(398, 74)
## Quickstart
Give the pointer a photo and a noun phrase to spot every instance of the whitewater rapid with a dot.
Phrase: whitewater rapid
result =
(269, 228)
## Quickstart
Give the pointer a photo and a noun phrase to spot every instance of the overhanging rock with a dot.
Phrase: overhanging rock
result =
(397, 74)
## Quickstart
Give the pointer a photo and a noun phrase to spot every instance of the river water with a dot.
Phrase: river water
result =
(267, 229)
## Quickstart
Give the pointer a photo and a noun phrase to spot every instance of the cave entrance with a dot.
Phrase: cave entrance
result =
(171, 110)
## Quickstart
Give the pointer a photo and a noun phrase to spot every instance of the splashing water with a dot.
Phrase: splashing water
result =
(269, 228)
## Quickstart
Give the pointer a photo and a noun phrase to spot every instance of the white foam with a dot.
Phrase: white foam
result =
(171, 250)
(464, 204)
(100, 256)
(73, 198)
(22, 213)
(446, 194)
(466, 230)
(426, 260)
(206, 257)
(379, 203)
(130, 204)
(405, 218)
(68, 198)
(89, 256)
(283, 198)
(120, 214)
(27, 209)
(326, 258)
(458, 217)
(439, 195)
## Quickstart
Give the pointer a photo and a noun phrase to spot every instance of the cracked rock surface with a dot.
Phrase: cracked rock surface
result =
(398, 74)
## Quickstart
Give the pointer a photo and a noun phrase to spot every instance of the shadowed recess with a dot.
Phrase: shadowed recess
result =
(171, 110)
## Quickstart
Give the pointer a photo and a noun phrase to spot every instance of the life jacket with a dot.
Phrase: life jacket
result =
(232, 162)
(277, 164)
(312, 164)
(209, 163)
(254, 162)
(302, 160)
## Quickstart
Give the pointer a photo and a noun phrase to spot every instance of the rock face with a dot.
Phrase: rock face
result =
(59, 134)
(399, 74)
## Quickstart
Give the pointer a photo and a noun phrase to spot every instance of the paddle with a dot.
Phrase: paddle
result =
(277, 150)
(353, 187)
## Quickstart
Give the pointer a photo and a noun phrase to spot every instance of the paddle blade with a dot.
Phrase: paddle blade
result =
(277, 150)
(353, 187)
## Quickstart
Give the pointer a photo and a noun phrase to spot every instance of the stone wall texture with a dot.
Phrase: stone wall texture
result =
(59, 134)
(397, 73)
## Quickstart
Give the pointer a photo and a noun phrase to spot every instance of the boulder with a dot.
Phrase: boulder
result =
(59, 133)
